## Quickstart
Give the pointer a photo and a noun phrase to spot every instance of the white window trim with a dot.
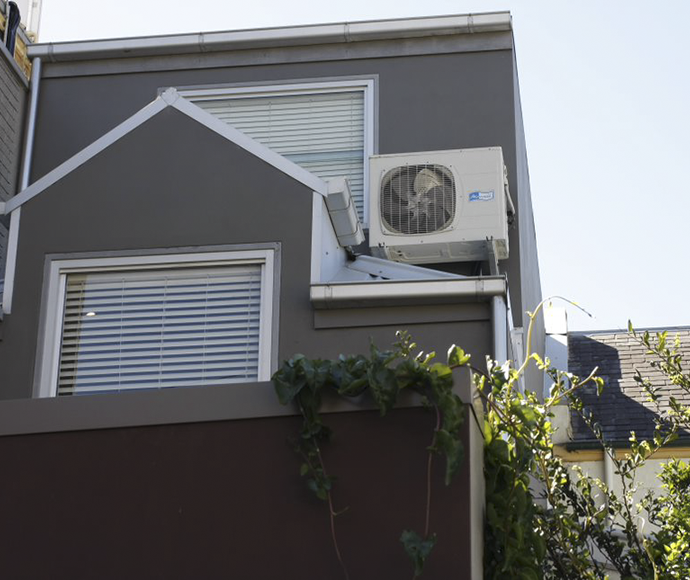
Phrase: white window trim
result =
(367, 86)
(58, 270)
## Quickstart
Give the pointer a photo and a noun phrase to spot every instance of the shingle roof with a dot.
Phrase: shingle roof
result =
(623, 405)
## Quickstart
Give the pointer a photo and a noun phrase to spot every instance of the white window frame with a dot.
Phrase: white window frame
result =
(367, 86)
(58, 270)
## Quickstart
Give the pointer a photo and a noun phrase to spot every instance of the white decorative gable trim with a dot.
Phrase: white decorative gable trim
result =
(169, 98)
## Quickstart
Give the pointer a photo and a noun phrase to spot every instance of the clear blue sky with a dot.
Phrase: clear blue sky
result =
(605, 97)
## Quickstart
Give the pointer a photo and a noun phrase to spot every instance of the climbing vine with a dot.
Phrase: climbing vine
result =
(384, 375)
(544, 519)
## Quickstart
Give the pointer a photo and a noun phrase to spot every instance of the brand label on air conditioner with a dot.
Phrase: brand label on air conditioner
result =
(481, 195)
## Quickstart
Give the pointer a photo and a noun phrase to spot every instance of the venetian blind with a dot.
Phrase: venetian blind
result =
(160, 328)
(322, 132)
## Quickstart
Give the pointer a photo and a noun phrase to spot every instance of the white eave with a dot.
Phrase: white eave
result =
(273, 37)
(408, 292)
(169, 98)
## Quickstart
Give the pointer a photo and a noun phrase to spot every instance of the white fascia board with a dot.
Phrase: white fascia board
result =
(273, 37)
(431, 291)
(169, 98)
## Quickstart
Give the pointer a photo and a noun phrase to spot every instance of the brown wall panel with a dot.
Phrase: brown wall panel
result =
(224, 500)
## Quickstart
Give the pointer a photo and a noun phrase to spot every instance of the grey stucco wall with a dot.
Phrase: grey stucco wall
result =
(443, 100)
(144, 193)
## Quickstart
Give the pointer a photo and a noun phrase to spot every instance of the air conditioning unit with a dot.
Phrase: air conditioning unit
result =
(439, 206)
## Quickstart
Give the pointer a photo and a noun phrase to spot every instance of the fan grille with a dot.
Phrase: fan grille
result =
(417, 199)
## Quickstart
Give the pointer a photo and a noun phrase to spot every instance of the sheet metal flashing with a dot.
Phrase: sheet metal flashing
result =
(389, 270)
(314, 34)
(408, 292)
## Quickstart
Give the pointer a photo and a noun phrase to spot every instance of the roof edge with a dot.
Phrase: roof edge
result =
(169, 98)
(312, 34)
(670, 329)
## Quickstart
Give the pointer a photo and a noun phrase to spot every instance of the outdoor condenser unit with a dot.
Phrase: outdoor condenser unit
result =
(439, 206)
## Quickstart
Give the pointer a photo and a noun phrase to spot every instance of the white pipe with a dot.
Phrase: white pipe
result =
(12, 242)
(499, 318)
(31, 126)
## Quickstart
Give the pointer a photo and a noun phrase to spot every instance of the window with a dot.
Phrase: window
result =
(152, 322)
(327, 128)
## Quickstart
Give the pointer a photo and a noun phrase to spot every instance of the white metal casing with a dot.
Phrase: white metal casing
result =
(481, 208)
(343, 213)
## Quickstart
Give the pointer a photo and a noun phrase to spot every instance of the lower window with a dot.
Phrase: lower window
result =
(154, 322)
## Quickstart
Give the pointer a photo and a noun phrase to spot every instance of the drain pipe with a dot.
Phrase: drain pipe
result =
(31, 127)
(13, 238)
(499, 313)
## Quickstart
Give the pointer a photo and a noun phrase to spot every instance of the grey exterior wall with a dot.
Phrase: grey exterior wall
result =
(456, 92)
(432, 94)
(127, 199)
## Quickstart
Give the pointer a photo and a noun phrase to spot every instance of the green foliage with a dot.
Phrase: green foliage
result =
(383, 375)
(548, 521)
(544, 520)
(417, 548)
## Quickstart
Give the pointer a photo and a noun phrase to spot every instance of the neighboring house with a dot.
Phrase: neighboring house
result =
(180, 229)
(14, 70)
(623, 406)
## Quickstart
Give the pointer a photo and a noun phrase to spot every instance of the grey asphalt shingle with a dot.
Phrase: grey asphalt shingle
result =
(623, 406)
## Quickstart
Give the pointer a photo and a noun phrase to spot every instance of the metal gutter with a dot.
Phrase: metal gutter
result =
(682, 441)
(345, 32)
(391, 292)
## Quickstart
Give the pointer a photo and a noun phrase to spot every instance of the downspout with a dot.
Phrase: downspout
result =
(31, 126)
(11, 262)
(499, 313)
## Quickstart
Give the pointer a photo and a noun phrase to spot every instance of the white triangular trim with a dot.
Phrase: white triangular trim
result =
(169, 98)
(250, 145)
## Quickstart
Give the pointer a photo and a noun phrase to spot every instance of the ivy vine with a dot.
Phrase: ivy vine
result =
(384, 375)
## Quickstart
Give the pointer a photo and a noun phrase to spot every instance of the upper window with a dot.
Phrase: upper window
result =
(161, 321)
(327, 128)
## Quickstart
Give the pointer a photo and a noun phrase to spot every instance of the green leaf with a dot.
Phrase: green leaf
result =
(457, 356)
(287, 390)
(441, 370)
(417, 549)
(449, 445)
